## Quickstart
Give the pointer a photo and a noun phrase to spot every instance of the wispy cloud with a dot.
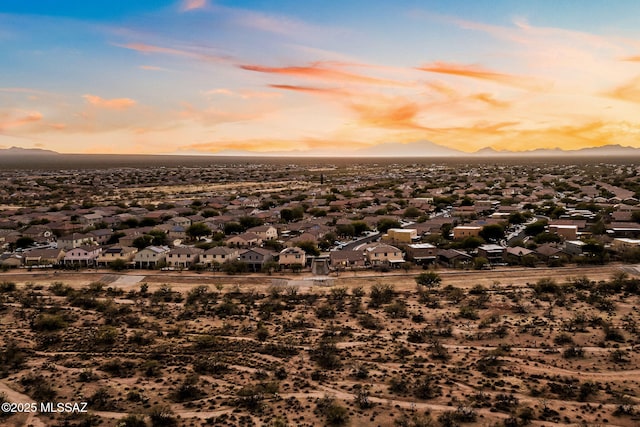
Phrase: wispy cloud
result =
(110, 104)
(629, 91)
(193, 52)
(478, 72)
(16, 119)
(324, 71)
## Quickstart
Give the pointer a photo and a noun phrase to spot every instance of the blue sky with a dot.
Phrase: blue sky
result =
(198, 76)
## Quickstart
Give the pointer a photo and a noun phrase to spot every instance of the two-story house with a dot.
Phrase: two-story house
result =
(150, 257)
(183, 257)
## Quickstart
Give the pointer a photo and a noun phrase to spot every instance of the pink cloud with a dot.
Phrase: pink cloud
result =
(193, 4)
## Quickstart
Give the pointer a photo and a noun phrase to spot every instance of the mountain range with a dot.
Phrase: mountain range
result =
(392, 149)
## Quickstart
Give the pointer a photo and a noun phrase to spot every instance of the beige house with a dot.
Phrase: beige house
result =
(464, 231)
(383, 254)
(183, 257)
(75, 240)
(292, 256)
(218, 255)
(44, 257)
(622, 244)
(244, 240)
(400, 235)
(109, 255)
(150, 256)
(265, 232)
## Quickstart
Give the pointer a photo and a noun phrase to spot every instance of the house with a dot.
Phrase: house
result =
(177, 232)
(44, 257)
(255, 258)
(10, 260)
(150, 257)
(493, 253)
(265, 232)
(75, 240)
(347, 259)
(90, 220)
(453, 257)
(421, 253)
(400, 235)
(547, 252)
(304, 237)
(218, 255)
(567, 232)
(39, 233)
(82, 256)
(292, 256)
(180, 221)
(383, 254)
(463, 231)
(109, 255)
(244, 240)
(622, 244)
(573, 247)
(183, 257)
(102, 235)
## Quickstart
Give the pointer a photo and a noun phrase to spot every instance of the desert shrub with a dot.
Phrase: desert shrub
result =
(7, 287)
(210, 365)
(188, 390)
(48, 322)
(426, 388)
(562, 339)
(334, 413)
(467, 312)
(429, 279)
(326, 355)
(380, 294)
(132, 421)
(162, 416)
(573, 352)
(397, 309)
(100, 399)
(368, 321)
(12, 358)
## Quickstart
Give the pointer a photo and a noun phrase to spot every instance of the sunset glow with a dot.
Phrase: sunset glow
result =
(325, 78)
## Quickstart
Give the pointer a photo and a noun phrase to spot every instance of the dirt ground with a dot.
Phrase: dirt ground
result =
(504, 347)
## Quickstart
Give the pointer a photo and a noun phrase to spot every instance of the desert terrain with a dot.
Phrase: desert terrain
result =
(500, 347)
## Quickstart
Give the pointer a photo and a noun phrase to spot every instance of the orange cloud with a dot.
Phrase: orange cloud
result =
(489, 99)
(477, 72)
(627, 92)
(310, 89)
(9, 121)
(632, 58)
(320, 71)
(109, 104)
(266, 145)
(394, 113)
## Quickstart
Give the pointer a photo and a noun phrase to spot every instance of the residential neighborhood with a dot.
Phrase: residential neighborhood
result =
(396, 215)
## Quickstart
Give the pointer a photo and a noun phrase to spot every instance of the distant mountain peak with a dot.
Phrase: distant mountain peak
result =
(15, 151)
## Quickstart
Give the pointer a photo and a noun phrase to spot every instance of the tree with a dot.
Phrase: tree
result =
(386, 223)
(24, 242)
(412, 212)
(198, 230)
(118, 264)
(250, 221)
(309, 247)
(232, 227)
(429, 279)
(492, 232)
(535, 228)
(359, 227)
(288, 215)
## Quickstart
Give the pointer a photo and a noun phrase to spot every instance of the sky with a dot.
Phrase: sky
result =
(317, 77)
